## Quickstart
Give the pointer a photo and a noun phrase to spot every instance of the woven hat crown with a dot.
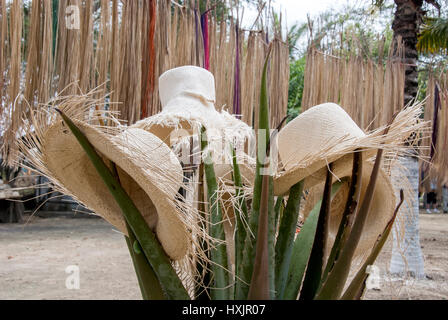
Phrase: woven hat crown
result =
(187, 80)
(315, 130)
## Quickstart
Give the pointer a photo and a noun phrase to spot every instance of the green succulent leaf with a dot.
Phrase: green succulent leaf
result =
(149, 283)
(285, 239)
(279, 208)
(259, 286)
(302, 250)
(356, 287)
(241, 214)
(203, 274)
(246, 267)
(345, 225)
(332, 288)
(170, 282)
(218, 253)
(314, 271)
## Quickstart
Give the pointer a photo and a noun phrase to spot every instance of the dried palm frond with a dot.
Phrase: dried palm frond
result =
(370, 92)
(13, 103)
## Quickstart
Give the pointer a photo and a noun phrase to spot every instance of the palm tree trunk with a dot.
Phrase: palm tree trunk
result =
(407, 19)
(407, 257)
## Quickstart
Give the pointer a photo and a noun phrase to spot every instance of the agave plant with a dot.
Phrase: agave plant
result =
(271, 260)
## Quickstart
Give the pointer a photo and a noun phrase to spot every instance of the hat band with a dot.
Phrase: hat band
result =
(199, 96)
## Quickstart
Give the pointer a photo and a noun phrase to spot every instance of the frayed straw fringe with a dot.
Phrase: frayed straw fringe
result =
(406, 123)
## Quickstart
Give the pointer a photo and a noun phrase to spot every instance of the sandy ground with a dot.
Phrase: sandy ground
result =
(34, 258)
(434, 243)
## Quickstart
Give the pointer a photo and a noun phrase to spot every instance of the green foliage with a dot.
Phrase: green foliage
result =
(434, 36)
(295, 33)
(295, 90)
(241, 214)
(220, 290)
(346, 31)
(357, 286)
(316, 263)
(285, 238)
(300, 255)
(149, 283)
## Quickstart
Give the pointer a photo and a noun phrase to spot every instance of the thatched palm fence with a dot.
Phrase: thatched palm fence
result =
(123, 46)
(370, 91)
(436, 111)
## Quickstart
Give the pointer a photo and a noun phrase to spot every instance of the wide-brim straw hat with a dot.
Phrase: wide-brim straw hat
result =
(315, 138)
(147, 168)
(381, 209)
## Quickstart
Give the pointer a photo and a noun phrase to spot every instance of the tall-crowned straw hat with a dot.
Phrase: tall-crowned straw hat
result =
(317, 137)
(147, 168)
(187, 96)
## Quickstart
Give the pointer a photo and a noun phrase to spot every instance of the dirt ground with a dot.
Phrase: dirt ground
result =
(34, 258)
(434, 243)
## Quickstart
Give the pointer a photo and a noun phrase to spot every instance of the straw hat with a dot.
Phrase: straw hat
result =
(187, 95)
(147, 168)
(381, 209)
(317, 137)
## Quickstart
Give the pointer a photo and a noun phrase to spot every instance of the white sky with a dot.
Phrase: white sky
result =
(297, 10)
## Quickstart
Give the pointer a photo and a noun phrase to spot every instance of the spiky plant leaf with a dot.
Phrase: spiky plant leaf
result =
(278, 208)
(241, 215)
(218, 253)
(285, 239)
(356, 287)
(153, 250)
(434, 36)
(348, 214)
(332, 288)
(149, 284)
(202, 291)
(259, 286)
(314, 271)
(247, 264)
(301, 252)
